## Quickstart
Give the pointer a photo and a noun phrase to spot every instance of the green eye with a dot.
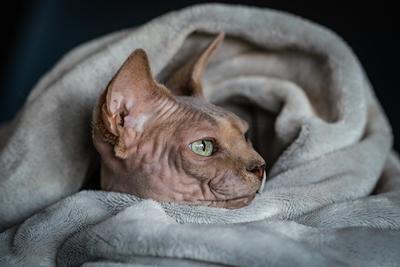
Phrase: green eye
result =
(203, 148)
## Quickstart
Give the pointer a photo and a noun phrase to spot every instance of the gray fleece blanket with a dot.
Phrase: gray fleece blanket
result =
(332, 195)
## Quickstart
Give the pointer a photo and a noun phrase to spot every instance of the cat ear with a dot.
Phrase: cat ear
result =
(132, 86)
(187, 80)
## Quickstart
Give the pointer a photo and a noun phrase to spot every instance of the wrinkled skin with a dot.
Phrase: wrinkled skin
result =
(143, 130)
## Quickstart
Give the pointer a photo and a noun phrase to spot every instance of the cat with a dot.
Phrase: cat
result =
(168, 143)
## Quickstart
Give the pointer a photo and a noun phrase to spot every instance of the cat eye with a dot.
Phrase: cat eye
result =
(203, 148)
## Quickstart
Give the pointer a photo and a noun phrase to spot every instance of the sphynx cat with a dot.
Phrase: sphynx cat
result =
(168, 143)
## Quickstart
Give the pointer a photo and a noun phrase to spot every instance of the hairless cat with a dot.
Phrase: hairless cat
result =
(168, 143)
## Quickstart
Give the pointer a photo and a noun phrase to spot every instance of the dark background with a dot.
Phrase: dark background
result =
(37, 33)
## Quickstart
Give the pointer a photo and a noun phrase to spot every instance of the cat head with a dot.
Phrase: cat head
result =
(168, 143)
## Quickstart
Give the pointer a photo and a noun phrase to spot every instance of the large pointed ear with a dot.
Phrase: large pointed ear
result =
(129, 93)
(187, 80)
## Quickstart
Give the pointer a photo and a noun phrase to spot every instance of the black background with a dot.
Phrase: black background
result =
(37, 33)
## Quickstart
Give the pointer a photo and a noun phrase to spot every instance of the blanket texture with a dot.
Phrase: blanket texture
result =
(332, 195)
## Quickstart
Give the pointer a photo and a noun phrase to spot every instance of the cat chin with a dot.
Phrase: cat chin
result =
(233, 203)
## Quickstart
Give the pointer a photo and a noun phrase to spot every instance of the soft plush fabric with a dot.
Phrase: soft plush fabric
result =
(332, 194)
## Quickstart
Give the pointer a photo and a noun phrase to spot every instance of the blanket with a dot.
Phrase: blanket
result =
(332, 193)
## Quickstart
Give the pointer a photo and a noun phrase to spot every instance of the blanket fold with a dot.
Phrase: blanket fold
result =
(332, 195)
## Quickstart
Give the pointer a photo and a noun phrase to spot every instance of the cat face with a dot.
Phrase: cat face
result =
(171, 144)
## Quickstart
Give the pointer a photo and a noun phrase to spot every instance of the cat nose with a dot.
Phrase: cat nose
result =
(257, 169)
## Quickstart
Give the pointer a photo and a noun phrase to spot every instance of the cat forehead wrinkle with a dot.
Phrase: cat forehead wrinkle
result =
(199, 109)
(215, 114)
(204, 106)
